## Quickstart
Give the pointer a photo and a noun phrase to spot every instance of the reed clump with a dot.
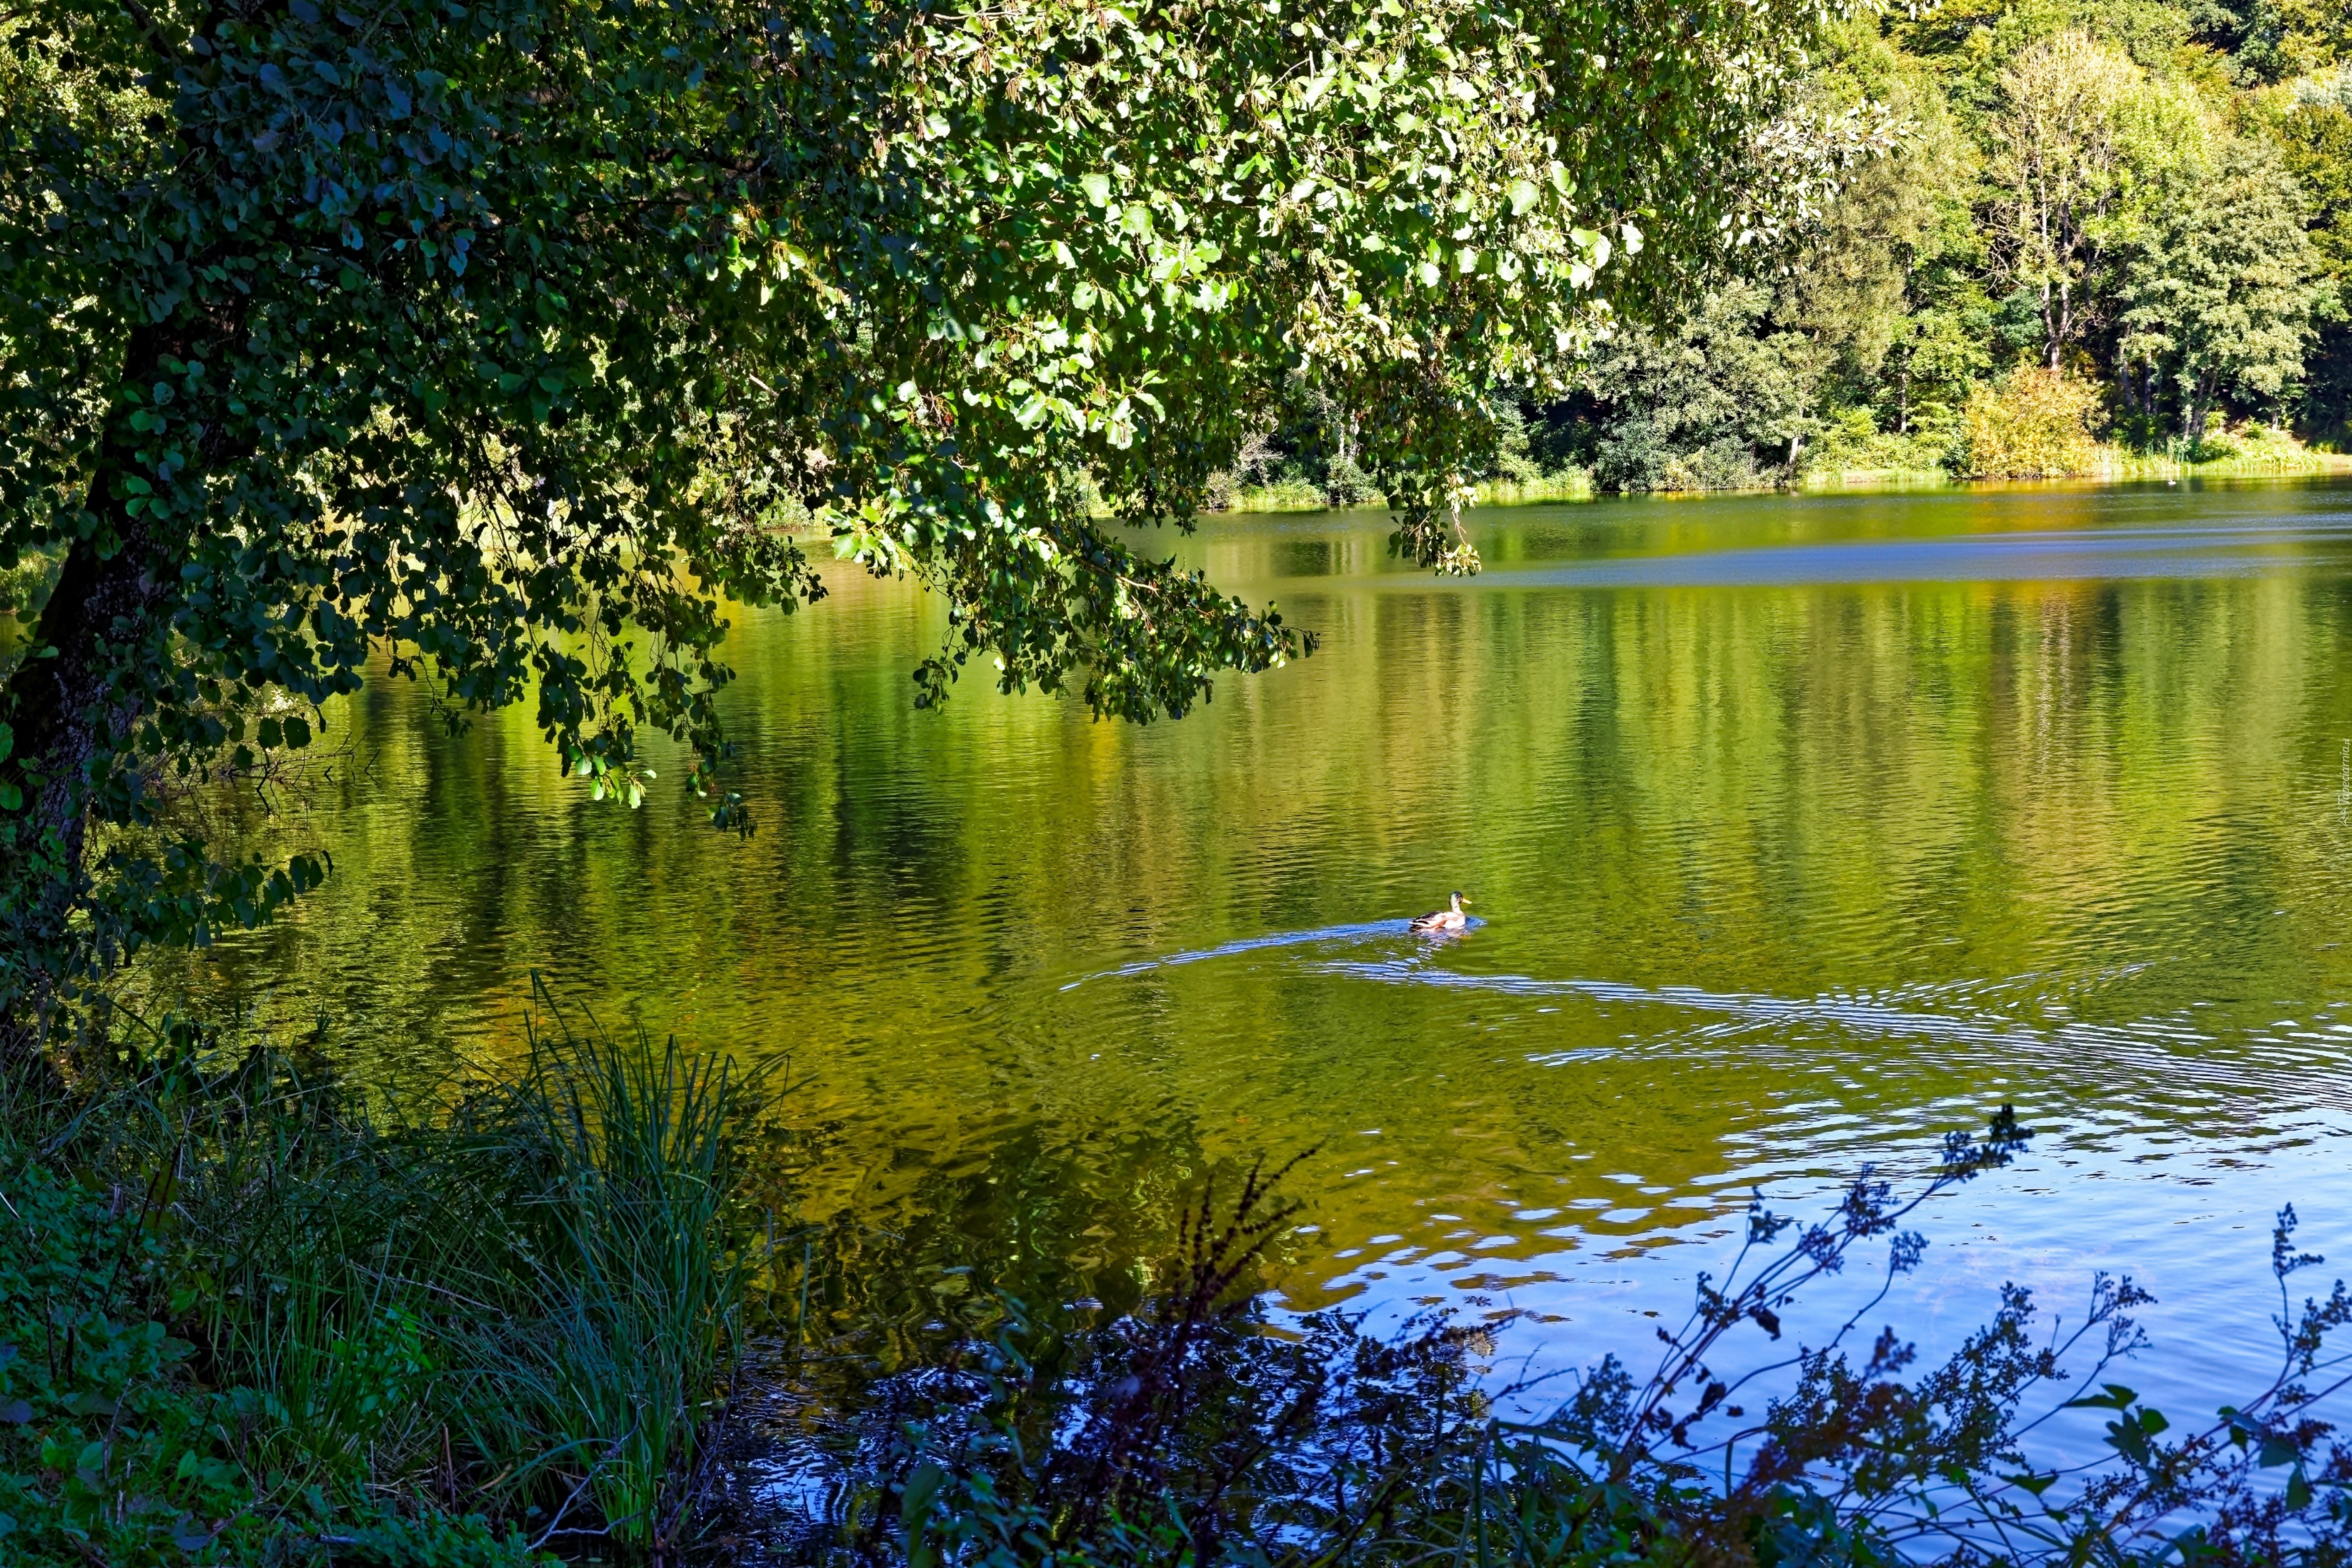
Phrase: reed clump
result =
(248, 1315)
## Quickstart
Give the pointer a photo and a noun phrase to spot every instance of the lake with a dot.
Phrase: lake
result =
(1800, 829)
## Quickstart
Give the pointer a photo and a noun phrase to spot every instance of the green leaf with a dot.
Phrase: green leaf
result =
(915, 1513)
(2116, 1397)
(1097, 188)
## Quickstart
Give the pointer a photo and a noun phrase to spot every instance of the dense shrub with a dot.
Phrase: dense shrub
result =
(242, 1322)
(2035, 425)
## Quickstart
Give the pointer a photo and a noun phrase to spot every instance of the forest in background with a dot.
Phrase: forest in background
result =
(2103, 236)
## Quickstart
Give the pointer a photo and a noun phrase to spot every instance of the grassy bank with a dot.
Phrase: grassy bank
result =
(2249, 453)
(1868, 478)
(2253, 453)
(246, 1318)
(1575, 484)
(1301, 495)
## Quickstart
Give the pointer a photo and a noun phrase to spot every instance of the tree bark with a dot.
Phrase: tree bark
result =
(2194, 408)
(71, 704)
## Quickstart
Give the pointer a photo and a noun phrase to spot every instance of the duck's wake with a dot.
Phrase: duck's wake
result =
(1334, 935)
(1966, 1014)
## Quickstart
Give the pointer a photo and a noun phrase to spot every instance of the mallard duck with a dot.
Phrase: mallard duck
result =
(1451, 918)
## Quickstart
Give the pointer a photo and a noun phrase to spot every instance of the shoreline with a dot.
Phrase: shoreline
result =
(1285, 502)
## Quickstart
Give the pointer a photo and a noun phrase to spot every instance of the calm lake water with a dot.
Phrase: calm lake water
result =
(1802, 830)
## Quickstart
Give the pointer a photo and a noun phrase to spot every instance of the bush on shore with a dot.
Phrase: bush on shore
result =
(2035, 425)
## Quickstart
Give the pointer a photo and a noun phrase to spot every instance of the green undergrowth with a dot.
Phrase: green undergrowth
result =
(1535, 489)
(2253, 450)
(246, 1317)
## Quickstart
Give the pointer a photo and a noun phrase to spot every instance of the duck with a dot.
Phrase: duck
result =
(1449, 919)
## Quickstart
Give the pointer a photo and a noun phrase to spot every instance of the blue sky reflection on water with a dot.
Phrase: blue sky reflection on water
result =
(2012, 557)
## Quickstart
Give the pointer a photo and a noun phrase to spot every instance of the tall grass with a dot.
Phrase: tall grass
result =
(2251, 450)
(632, 1298)
(474, 1332)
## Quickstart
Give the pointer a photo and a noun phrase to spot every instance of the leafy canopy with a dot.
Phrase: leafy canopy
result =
(507, 341)
(2223, 291)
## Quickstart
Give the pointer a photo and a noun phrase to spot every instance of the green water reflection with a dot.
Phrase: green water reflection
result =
(1801, 826)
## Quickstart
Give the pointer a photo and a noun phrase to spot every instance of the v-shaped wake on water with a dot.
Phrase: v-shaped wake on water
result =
(1974, 1013)
(1339, 935)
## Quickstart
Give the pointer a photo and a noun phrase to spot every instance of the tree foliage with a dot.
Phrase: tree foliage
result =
(1689, 408)
(2222, 293)
(2078, 131)
(509, 342)
(2136, 195)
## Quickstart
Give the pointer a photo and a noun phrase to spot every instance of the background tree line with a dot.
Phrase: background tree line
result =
(2117, 221)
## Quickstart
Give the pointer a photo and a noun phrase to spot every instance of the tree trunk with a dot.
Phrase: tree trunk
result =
(70, 709)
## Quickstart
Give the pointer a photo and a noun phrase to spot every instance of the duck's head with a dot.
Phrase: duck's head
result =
(1460, 901)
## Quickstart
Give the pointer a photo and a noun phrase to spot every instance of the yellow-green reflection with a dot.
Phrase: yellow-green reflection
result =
(1799, 825)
